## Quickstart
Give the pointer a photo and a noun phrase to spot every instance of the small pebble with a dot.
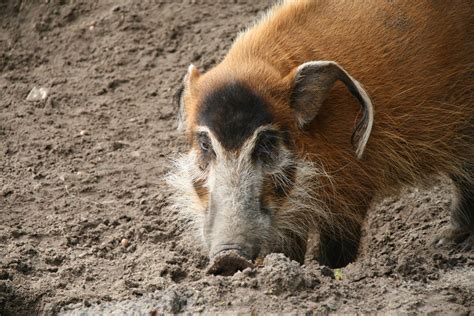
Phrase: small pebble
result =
(135, 154)
(37, 94)
(124, 243)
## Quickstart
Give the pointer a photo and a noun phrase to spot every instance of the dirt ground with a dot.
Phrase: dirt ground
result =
(85, 222)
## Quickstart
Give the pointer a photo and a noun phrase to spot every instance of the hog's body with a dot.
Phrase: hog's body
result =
(416, 62)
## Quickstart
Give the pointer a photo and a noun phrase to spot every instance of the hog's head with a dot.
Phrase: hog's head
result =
(246, 180)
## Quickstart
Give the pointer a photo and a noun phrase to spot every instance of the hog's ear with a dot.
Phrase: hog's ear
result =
(311, 85)
(186, 87)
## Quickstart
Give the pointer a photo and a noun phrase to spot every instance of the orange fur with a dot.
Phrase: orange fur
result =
(416, 60)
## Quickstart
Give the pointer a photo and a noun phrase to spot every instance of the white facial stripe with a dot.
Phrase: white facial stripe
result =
(216, 145)
(247, 147)
(234, 183)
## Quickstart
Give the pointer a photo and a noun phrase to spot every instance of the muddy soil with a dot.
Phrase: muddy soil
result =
(85, 221)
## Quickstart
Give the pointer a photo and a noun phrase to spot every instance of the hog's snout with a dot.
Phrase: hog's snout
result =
(227, 259)
(227, 262)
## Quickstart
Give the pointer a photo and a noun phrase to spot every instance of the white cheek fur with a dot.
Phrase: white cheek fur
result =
(184, 198)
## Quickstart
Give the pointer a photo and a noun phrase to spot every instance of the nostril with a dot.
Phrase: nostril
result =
(228, 262)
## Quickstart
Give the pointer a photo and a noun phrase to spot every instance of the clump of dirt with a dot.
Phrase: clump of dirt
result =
(85, 220)
(280, 275)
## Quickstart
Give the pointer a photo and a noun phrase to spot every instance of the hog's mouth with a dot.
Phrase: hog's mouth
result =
(227, 262)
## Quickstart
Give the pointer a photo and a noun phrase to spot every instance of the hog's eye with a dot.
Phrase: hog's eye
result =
(204, 142)
(204, 146)
(266, 146)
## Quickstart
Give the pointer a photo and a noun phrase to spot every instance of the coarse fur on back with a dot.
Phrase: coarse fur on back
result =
(413, 64)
